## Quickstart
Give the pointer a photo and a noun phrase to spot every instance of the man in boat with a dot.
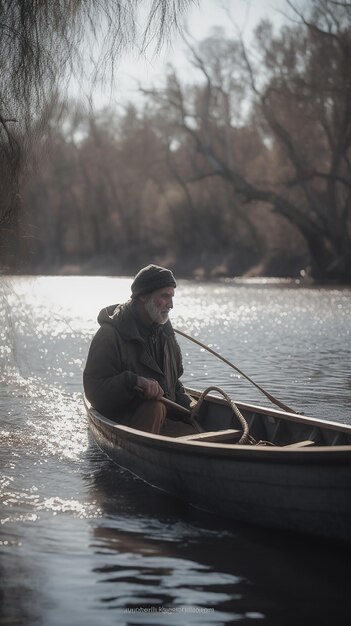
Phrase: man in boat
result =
(134, 360)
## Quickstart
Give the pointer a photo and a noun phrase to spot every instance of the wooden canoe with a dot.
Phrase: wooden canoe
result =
(302, 482)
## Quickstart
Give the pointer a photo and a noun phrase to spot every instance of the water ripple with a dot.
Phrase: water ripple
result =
(76, 527)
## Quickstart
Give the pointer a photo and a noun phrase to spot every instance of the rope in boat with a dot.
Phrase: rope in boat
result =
(245, 436)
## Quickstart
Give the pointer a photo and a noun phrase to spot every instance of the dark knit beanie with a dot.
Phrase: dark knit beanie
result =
(150, 278)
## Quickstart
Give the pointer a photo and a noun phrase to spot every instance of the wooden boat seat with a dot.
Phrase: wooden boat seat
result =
(214, 435)
(300, 444)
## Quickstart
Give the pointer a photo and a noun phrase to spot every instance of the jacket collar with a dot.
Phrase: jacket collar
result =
(124, 317)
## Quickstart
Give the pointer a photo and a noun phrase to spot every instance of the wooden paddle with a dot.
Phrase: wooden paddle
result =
(169, 403)
(219, 356)
(176, 406)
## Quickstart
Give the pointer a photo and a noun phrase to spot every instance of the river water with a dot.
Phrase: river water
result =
(85, 543)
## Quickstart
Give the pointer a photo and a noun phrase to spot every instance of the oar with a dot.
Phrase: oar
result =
(174, 405)
(167, 402)
(268, 395)
(177, 407)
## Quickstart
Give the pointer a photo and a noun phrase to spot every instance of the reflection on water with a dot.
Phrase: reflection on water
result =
(158, 552)
(83, 542)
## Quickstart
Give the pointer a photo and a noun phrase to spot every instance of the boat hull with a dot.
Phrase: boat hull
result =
(296, 489)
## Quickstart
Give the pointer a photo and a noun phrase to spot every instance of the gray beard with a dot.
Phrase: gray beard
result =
(155, 312)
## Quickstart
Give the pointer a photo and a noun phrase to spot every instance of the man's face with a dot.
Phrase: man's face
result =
(159, 303)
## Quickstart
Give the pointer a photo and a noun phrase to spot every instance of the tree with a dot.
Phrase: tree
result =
(202, 123)
(41, 43)
(306, 105)
(298, 125)
(97, 198)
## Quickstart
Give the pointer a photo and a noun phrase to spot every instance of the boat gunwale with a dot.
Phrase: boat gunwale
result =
(250, 453)
(277, 413)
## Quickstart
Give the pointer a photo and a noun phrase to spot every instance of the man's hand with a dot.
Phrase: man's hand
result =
(149, 388)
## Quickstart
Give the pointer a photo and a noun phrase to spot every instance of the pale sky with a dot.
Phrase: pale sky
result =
(200, 19)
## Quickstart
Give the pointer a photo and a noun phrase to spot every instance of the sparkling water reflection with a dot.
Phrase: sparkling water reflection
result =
(83, 542)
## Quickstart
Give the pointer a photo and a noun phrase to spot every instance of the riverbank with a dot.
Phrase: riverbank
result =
(204, 267)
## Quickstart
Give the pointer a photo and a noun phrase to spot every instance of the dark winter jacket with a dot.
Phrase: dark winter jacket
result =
(120, 351)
